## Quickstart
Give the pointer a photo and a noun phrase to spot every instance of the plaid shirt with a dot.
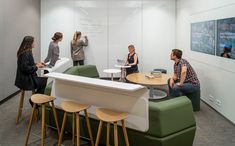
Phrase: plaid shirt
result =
(191, 76)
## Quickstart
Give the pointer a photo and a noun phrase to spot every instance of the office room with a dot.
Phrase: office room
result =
(117, 72)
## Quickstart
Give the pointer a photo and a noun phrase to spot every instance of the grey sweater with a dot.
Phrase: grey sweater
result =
(77, 52)
(53, 54)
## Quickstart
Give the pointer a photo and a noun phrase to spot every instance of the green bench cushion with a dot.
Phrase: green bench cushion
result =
(170, 116)
(84, 70)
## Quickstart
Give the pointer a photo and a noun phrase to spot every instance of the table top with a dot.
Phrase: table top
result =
(140, 78)
(122, 66)
(112, 70)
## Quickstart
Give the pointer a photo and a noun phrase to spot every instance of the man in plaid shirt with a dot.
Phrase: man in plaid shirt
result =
(184, 80)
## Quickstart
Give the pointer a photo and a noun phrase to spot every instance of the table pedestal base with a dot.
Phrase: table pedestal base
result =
(156, 94)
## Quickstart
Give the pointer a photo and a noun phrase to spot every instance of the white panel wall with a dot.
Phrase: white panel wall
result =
(18, 18)
(91, 18)
(1, 47)
(125, 28)
(158, 34)
(111, 25)
(216, 74)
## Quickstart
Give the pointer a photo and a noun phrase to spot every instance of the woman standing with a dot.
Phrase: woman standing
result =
(132, 60)
(54, 50)
(77, 52)
(26, 76)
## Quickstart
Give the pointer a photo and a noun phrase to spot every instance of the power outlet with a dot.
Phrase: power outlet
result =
(211, 98)
(218, 102)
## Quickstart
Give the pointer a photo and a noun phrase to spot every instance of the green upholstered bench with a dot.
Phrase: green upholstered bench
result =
(171, 123)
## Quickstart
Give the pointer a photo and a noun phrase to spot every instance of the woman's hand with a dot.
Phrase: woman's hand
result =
(40, 65)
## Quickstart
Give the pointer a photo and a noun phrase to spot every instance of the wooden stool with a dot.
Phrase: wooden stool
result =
(21, 105)
(75, 108)
(41, 100)
(111, 116)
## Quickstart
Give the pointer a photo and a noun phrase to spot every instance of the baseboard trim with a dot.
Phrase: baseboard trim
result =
(9, 97)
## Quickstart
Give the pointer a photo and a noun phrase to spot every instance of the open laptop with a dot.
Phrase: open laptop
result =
(121, 62)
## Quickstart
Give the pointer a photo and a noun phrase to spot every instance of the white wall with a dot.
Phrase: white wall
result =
(1, 42)
(216, 74)
(17, 19)
(111, 25)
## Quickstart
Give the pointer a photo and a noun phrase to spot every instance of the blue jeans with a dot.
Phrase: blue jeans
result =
(177, 91)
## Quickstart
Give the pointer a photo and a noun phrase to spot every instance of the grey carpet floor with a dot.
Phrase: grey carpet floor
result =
(212, 128)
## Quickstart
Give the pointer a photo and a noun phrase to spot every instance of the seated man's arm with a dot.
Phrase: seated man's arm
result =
(173, 79)
(183, 75)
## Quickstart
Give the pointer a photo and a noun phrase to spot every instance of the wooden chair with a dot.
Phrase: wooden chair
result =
(75, 108)
(111, 116)
(21, 104)
(41, 100)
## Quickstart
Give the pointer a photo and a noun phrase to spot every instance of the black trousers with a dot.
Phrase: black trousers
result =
(41, 83)
(80, 62)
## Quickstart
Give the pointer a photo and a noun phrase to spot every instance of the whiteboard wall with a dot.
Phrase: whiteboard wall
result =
(111, 25)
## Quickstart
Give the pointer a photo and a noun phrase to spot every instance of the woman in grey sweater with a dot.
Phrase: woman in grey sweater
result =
(77, 52)
(54, 51)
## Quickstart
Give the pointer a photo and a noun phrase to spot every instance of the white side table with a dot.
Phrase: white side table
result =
(123, 73)
(112, 71)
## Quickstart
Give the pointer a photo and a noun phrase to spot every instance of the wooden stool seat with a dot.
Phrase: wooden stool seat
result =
(73, 107)
(41, 98)
(110, 115)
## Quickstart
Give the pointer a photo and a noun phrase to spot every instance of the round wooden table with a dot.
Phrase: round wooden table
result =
(140, 78)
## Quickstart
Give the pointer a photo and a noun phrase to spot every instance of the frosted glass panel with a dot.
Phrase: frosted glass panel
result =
(125, 28)
(158, 34)
(111, 25)
(91, 20)
(57, 16)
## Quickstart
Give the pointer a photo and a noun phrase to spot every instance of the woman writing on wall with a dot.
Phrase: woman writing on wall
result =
(26, 76)
(132, 60)
(54, 50)
(77, 52)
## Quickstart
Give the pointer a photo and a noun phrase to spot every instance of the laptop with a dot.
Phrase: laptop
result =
(121, 62)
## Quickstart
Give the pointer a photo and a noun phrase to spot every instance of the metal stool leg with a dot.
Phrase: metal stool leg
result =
(98, 134)
(30, 124)
(125, 133)
(62, 129)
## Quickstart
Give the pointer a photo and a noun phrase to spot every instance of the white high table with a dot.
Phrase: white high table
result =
(112, 71)
(125, 97)
(123, 72)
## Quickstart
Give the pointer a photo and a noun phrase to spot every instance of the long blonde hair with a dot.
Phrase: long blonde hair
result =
(75, 37)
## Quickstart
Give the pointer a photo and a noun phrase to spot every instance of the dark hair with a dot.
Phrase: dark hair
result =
(57, 36)
(26, 45)
(178, 53)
